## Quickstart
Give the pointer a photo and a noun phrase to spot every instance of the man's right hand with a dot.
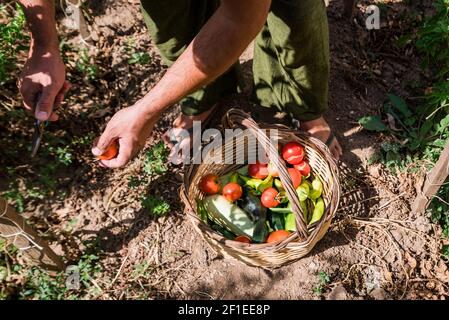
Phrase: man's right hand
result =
(42, 82)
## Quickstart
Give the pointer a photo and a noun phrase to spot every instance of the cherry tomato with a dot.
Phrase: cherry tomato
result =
(258, 170)
(293, 152)
(303, 168)
(269, 198)
(232, 191)
(243, 239)
(295, 176)
(209, 184)
(277, 236)
(111, 152)
(272, 171)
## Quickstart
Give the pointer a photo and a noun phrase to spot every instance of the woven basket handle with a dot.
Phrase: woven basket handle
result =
(236, 117)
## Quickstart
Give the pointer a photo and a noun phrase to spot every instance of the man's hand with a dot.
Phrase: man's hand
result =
(130, 127)
(42, 83)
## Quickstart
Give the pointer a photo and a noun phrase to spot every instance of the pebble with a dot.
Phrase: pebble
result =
(378, 294)
(338, 293)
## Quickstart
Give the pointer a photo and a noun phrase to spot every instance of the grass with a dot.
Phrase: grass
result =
(12, 40)
(323, 281)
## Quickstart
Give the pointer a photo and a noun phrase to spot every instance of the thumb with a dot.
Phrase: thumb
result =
(44, 105)
(102, 143)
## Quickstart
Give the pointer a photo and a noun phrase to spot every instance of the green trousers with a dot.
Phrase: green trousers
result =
(291, 54)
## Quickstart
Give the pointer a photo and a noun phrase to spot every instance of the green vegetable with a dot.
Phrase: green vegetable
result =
(250, 202)
(317, 189)
(278, 184)
(317, 211)
(287, 209)
(201, 210)
(229, 177)
(277, 221)
(243, 171)
(303, 191)
(234, 177)
(226, 233)
(258, 184)
(290, 222)
(260, 231)
(228, 215)
(303, 205)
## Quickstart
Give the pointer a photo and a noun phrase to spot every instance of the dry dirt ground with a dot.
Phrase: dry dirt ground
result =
(376, 248)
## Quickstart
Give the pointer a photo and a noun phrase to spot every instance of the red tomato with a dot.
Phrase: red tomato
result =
(232, 191)
(111, 151)
(303, 168)
(277, 236)
(258, 170)
(243, 239)
(269, 198)
(295, 176)
(209, 184)
(293, 152)
(272, 171)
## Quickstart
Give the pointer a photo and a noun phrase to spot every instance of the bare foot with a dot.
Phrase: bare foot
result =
(321, 130)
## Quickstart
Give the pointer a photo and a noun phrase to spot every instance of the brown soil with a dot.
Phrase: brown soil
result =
(376, 248)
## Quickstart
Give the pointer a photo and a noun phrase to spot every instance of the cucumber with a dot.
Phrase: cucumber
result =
(229, 215)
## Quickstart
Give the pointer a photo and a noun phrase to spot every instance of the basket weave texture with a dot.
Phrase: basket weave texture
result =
(322, 165)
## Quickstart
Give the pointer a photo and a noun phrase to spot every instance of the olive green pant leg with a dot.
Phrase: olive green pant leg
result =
(291, 59)
(172, 25)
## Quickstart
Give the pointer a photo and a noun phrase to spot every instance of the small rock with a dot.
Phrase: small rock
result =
(378, 294)
(338, 293)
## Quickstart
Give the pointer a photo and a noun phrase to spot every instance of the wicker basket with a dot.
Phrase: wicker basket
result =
(299, 243)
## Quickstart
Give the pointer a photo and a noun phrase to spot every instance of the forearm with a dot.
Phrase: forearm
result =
(40, 16)
(213, 51)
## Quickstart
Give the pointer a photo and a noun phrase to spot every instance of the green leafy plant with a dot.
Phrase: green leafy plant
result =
(12, 40)
(157, 207)
(140, 58)
(86, 66)
(156, 159)
(323, 281)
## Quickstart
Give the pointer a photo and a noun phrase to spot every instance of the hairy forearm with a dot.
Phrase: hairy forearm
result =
(40, 16)
(213, 51)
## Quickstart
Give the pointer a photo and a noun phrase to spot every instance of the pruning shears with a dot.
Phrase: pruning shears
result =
(39, 127)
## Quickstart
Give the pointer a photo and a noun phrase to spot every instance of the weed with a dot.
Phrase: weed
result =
(156, 160)
(137, 57)
(157, 207)
(85, 66)
(323, 280)
(12, 38)
(141, 58)
(15, 196)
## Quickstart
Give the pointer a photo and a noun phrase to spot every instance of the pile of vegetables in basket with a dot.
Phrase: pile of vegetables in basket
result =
(250, 204)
